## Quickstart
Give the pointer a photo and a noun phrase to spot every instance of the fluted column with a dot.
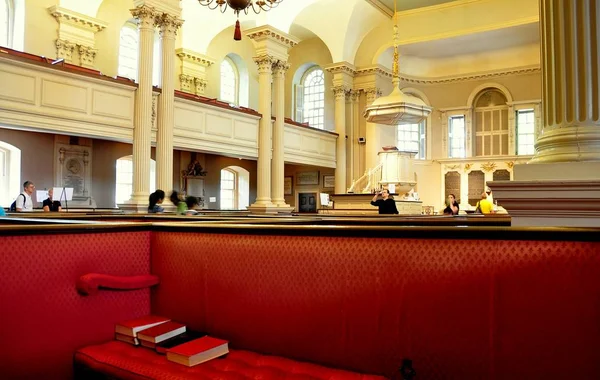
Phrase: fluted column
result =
(277, 164)
(340, 128)
(570, 81)
(372, 136)
(263, 190)
(164, 137)
(143, 106)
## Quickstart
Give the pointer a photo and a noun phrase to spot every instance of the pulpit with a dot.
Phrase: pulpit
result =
(397, 169)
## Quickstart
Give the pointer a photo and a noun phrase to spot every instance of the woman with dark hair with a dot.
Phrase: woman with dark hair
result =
(452, 206)
(155, 199)
(191, 203)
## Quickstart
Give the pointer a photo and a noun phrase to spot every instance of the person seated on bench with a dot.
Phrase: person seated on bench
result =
(50, 205)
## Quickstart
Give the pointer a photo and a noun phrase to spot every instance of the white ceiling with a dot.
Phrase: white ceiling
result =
(475, 43)
(405, 5)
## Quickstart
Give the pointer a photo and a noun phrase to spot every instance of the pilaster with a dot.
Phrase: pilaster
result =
(343, 83)
(193, 71)
(277, 164)
(76, 30)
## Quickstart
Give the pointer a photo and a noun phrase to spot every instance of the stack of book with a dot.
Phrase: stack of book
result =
(171, 338)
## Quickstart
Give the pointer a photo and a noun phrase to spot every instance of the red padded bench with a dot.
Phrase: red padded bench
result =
(127, 362)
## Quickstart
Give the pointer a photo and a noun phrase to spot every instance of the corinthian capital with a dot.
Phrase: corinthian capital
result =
(87, 55)
(340, 92)
(64, 50)
(372, 94)
(168, 25)
(264, 63)
(280, 67)
(146, 16)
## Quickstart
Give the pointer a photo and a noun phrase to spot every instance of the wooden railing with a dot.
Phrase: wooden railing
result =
(369, 181)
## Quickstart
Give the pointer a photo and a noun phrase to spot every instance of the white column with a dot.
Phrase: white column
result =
(373, 145)
(277, 164)
(164, 137)
(143, 107)
(263, 190)
(340, 128)
(570, 81)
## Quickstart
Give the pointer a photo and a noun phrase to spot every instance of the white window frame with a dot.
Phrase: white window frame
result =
(515, 107)
(130, 183)
(452, 140)
(420, 131)
(519, 135)
(301, 114)
(236, 86)
(10, 18)
(233, 191)
(125, 70)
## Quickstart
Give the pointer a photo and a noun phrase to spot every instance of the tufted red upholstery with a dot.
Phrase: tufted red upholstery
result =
(128, 362)
(43, 319)
(458, 308)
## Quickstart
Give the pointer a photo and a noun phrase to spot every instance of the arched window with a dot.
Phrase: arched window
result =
(124, 180)
(310, 98)
(229, 81)
(235, 188)
(10, 173)
(128, 51)
(491, 123)
(6, 9)
(128, 54)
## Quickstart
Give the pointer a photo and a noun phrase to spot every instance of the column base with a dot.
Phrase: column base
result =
(138, 204)
(264, 209)
(550, 203)
(568, 144)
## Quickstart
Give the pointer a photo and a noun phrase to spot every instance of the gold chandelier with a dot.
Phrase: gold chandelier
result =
(240, 6)
(397, 107)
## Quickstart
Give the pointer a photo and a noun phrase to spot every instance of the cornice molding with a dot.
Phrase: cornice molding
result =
(377, 70)
(268, 32)
(78, 20)
(341, 67)
(170, 7)
(194, 57)
(473, 76)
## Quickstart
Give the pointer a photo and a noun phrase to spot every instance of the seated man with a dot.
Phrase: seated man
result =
(23, 203)
(50, 205)
(386, 205)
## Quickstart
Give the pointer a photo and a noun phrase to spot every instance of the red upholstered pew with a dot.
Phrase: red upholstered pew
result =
(516, 304)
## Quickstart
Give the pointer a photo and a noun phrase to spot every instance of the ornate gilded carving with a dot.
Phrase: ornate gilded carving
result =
(468, 167)
(199, 86)
(510, 164)
(453, 167)
(488, 167)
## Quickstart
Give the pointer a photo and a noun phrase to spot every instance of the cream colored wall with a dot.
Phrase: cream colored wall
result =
(309, 52)
(41, 29)
(212, 183)
(115, 13)
(456, 94)
(292, 170)
(218, 49)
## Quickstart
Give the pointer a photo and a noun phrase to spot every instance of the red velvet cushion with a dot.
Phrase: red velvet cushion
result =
(125, 361)
(89, 283)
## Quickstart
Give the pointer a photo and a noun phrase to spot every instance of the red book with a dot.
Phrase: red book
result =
(198, 351)
(132, 327)
(161, 332)
(127, 339)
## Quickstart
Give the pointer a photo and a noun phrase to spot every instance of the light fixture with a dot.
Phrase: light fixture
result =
(397, 107)
(240, 6)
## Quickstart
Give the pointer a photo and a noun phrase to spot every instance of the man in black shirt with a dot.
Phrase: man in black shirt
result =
(386, 205)
(50, 205)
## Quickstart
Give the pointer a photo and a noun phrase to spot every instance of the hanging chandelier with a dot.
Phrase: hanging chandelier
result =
(397, 107)
(240, 6)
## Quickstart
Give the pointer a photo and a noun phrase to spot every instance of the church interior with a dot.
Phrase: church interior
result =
(280, 127)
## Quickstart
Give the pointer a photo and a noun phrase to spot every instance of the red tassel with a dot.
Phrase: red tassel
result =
(237, 35)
